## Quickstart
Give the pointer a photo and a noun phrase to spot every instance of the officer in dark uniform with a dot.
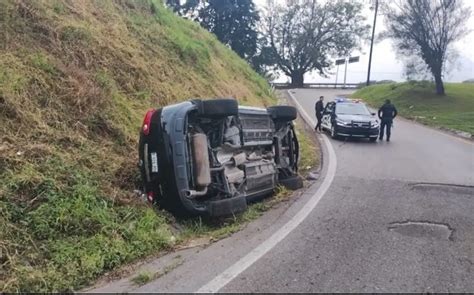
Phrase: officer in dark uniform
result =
(319, 107)
(386, 114)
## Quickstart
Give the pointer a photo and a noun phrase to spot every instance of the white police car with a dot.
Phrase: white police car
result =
(350, 118)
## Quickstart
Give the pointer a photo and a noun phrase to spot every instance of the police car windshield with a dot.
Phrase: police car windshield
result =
(351, 109)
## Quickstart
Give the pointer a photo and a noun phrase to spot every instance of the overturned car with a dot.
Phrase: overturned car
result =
(212, 157)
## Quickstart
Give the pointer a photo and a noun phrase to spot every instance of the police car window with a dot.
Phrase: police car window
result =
(352, 109)
(329, 107)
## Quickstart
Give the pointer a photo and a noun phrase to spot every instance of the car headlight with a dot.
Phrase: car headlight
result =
(341, 123)
(374, 124)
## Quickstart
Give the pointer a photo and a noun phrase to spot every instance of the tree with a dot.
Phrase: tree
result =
(233, 22)
(186, 8)
(305, 35)
(426, 28)
(415, 69)
(175, 5)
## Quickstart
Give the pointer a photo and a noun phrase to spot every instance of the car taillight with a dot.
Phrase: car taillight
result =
(147, 121)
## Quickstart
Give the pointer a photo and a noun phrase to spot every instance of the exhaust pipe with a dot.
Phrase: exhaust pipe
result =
(202, 169)
(191, 194)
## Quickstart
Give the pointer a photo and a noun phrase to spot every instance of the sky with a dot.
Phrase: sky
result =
(386, 64)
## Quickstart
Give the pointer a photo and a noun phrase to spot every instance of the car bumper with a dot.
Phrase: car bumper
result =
(357, 132)
(168, 141)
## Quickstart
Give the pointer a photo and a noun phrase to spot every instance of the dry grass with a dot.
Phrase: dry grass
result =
(76, 78)
(418, 101)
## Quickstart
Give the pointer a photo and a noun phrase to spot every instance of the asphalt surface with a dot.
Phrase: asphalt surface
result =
(397, 217)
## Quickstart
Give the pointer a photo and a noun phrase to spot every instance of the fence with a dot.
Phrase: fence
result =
(319, 85)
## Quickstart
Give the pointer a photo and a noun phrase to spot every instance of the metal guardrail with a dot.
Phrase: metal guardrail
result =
(319, 85)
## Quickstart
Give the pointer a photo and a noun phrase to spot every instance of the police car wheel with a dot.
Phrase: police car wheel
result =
(333, 132)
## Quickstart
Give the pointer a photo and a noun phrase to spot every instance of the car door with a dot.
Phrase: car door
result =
(327, 115)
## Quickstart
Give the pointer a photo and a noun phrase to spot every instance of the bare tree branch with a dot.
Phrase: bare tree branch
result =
(427, 28)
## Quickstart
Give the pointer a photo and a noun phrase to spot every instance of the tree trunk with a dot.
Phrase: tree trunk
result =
(297, 79)
(439, 84)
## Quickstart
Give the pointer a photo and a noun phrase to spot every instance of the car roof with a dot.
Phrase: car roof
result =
(340, 99)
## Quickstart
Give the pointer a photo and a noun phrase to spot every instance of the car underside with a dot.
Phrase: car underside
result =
(212, 157)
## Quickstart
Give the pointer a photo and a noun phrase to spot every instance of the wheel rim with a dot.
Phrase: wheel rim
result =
(333, 131)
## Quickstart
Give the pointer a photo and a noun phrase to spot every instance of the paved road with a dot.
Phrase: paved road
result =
(416, 153)
(359, 237)
(397, 217)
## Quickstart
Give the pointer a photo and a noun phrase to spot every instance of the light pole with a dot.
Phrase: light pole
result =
(345, 74)
(338, 62)
(349, 60)
(372, 41)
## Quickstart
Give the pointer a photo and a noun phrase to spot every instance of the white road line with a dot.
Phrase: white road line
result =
(245, 262)
(302, 111)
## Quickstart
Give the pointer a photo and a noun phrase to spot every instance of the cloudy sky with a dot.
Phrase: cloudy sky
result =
(385, 64)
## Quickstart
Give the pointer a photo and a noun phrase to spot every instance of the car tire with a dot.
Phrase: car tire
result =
(373, 139)
(333, 132)
(283, 113)
(292, 183)
(216, 108)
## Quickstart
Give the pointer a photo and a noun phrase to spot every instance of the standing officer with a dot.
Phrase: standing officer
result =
(386, 114)
(319, 107)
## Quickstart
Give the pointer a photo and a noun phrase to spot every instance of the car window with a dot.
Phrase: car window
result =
(329, 107)
(352, 109)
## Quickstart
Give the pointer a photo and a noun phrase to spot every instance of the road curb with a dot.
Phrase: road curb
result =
(318, 169)
(310, 123)
(466, 136)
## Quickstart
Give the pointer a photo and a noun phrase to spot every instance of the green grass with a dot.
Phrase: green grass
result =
(147, 276)
(216, 229)
(309, 150)
(143, 277)
(76, 78)
(417, 100)
(66, 236)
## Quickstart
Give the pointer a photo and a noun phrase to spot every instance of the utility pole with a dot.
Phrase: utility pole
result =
(372, 41)
(345, 74)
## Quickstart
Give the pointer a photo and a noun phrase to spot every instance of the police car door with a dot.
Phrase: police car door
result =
(326, 120)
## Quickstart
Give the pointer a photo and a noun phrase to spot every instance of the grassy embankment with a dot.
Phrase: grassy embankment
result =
(76, 78)
(418, 101)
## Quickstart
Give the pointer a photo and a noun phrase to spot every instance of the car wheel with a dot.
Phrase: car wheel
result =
(282, 113)
(215, 108)
(292, 183)
(373, 139)
(333, 132)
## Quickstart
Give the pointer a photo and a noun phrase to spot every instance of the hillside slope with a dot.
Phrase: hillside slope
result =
(76, 78)
(418, 101)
